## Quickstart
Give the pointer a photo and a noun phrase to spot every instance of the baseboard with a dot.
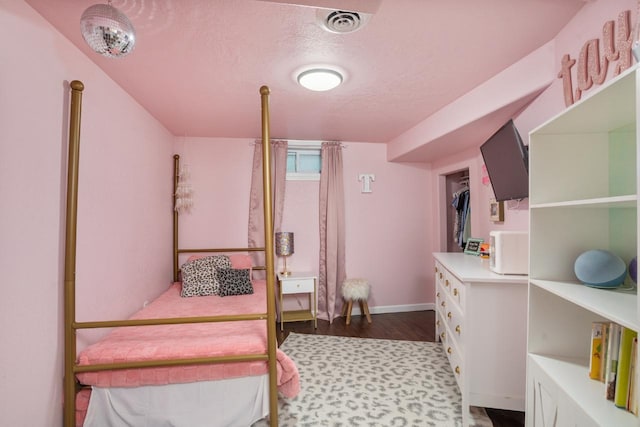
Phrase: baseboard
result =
(394, 308)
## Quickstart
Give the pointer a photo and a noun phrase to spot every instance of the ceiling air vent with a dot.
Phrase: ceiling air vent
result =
(341, 21)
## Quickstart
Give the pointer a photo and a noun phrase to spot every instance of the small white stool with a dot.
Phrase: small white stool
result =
(355, 290)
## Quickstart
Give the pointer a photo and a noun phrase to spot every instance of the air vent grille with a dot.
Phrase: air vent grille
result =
(341, 21)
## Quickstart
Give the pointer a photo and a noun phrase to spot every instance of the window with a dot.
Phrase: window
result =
(304, 161)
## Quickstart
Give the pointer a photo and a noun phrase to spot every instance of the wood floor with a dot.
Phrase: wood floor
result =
(411, 326)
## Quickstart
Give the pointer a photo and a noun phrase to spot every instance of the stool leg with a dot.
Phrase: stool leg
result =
(349, 307)
(365, 308)
(344, 308)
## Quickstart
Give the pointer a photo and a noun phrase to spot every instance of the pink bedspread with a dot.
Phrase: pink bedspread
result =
(189, 340)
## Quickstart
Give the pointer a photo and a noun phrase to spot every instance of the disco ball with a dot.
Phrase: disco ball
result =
(107, 30)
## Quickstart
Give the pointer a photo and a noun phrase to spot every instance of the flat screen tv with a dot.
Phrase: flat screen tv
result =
(507, 162)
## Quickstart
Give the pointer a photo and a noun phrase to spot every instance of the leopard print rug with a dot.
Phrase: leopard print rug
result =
(371, 382)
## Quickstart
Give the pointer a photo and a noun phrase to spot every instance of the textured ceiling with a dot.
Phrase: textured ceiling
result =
(198, 64)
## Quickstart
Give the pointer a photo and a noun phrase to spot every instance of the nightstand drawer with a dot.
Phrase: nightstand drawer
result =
(296, 286)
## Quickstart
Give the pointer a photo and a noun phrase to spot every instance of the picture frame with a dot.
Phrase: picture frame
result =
(496, 210)
(473, 246)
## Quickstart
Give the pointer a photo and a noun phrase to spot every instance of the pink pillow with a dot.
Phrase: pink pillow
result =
(195, 257)
(240, 261)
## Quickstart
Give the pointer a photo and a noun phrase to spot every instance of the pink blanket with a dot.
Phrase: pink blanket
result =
(187, 341)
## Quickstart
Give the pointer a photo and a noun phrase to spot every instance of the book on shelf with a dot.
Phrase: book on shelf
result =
(632, 398)
(624, 366)
(605, 350)
(611, 360)
(596, 350)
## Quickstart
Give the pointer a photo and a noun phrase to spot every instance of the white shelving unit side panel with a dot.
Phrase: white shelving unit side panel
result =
(500, 308)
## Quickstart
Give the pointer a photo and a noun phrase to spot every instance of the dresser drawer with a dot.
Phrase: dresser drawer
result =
(455, 322)
(455, 360)
(439, 274)
(441, 297)
(296, 286)
(456, 290)
(441, 301)
(441, 328)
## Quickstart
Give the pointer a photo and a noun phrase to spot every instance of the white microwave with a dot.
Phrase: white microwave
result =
(509, 252)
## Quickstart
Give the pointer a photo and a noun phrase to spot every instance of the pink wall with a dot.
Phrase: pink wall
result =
(123, 209)
(387, 230)
(221, 178)
(388, 235)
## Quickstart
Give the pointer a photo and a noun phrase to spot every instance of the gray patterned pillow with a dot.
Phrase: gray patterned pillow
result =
(194, 274)
(198, 276)
(234, 282)
(218, 262)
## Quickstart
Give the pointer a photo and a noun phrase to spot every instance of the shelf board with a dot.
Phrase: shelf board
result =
(617, 305)
(628, 201)
(297, 315)
(572, 376)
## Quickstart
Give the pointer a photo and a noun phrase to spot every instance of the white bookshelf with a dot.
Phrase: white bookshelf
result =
(583, 195)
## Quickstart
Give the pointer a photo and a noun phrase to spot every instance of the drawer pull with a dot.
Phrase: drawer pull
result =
(446, 282)
(449, 315)
(441, 275)
(449, 350)
(436, 269)
(442, 335)
(438, 294)
(457, 328)
(443, 303)
(437, 322)
(455, 292)
(457, 369)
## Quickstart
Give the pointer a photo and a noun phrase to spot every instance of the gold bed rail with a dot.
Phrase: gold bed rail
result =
(71, 386)
(168, 321)
(172, 362)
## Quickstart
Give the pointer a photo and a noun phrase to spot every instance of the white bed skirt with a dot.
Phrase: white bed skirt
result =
(237, 402)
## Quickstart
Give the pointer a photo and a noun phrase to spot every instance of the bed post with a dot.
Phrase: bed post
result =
(176, 173)
(70, 255)
(268, 249)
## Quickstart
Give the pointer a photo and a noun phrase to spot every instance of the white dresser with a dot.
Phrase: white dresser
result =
(481, 319)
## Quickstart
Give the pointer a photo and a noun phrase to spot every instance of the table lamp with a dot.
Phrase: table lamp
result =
(284, 248)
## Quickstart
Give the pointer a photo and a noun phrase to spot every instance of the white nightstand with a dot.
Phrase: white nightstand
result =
(299, 283)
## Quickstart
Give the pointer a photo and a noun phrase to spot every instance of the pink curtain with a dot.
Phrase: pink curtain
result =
(256, 202)
(332, 238)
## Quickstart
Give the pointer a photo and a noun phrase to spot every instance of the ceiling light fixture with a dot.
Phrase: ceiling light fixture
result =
(107, 30)
(320, 79)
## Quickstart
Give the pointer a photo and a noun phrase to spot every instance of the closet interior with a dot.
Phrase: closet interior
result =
(458, 208)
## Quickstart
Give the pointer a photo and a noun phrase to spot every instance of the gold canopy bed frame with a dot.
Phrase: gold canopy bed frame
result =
(71, 326)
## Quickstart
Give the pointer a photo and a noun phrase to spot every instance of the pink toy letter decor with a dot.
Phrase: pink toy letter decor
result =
(593, 64)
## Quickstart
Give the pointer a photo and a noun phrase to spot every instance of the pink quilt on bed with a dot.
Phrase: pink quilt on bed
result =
(189, 340)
